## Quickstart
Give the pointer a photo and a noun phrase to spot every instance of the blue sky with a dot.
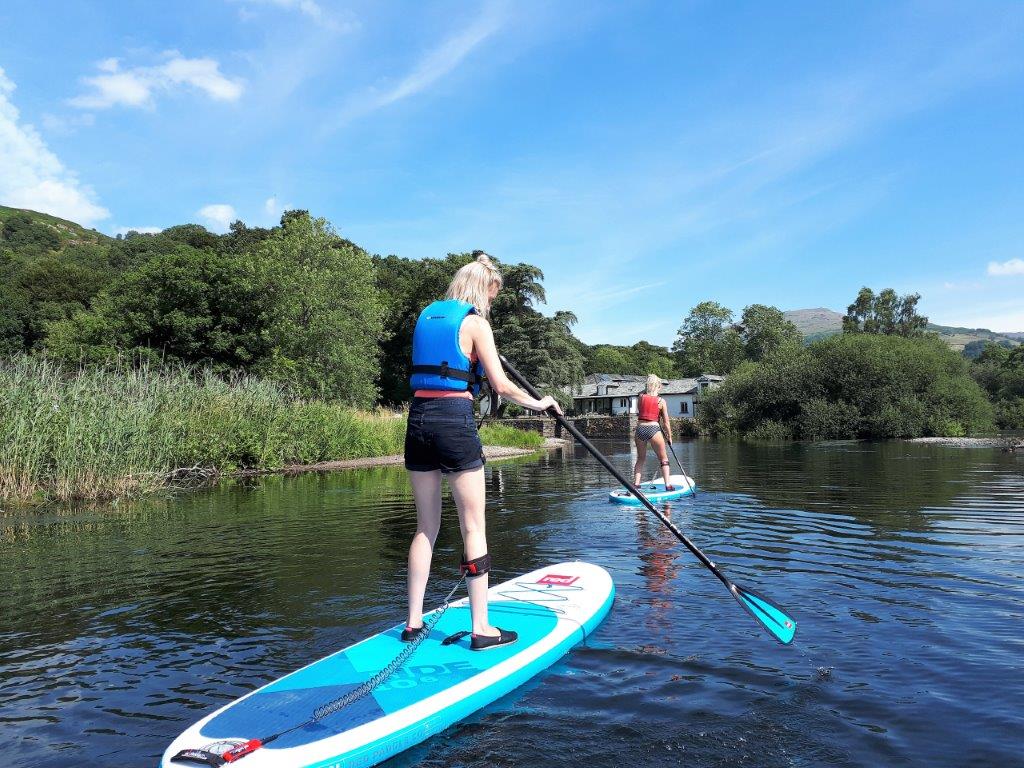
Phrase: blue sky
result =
(646, 155)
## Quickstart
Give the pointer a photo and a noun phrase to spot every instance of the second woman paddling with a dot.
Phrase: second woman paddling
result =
(651, 420)
(452, 348)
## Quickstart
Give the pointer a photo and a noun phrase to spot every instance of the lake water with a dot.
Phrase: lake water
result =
(904, 565)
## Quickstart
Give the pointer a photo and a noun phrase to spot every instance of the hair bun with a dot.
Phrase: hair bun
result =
(483, 258)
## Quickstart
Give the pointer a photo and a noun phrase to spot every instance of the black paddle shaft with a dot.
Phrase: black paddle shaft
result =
(566, 424)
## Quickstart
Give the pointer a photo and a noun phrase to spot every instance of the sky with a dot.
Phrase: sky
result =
(645, 155)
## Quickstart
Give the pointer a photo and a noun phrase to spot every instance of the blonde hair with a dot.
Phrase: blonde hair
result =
(472, 283)
(653, 384)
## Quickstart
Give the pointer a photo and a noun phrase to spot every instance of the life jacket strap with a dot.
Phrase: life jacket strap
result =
(446, 372)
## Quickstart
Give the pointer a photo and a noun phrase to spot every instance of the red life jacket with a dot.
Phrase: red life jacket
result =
(650, 407)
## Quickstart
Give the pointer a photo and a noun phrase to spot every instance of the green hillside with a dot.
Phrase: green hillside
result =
(21, 224)
(819, 322)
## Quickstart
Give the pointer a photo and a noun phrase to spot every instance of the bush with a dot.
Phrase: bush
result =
(851, 386)
(769, 430)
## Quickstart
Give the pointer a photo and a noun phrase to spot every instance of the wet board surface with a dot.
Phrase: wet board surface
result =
(552, 609)
(655, 491)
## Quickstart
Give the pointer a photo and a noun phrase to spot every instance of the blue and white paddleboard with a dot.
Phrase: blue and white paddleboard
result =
(552, 609)
(655, 491)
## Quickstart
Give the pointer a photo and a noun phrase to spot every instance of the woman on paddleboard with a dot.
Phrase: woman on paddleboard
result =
(652, 419)
(452, 348)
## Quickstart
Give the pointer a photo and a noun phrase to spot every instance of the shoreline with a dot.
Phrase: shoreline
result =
(1005, 443)
(491, 453)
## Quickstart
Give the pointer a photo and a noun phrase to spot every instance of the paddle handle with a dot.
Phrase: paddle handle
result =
(567, 425)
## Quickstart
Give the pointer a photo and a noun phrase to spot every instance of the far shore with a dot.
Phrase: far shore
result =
(491, 453)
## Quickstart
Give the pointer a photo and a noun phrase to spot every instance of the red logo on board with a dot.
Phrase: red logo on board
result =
(555, 579)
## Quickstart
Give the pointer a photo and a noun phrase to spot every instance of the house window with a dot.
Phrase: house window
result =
(622, 402)
(684, 407)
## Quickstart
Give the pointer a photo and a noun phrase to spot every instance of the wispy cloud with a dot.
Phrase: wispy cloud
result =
(432, 67)
(136, 86)
(31, 176)
(1005, 268)
(308, 8)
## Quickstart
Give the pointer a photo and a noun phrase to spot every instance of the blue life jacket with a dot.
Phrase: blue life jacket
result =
(438, 361)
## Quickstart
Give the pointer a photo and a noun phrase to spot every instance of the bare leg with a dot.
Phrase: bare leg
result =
(426, 490)
(641, 457)
(659, 448)
(470, 494)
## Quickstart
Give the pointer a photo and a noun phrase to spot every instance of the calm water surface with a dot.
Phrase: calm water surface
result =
(903, 563)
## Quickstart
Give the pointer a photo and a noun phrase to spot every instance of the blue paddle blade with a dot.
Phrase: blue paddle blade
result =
(775, 621)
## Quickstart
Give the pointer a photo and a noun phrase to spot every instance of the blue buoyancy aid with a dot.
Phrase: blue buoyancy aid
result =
(438, 361)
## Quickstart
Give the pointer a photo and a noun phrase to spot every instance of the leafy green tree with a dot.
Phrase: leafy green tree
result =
(607, 358)
(707, 342)
(852, 385)
(28, 237)
(327, 316)
(885, 313)
(185, 305)
(765, 329)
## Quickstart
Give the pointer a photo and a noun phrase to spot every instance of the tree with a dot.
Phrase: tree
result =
(852, 385)
(326, 321)
(765, 329)
(707, 342)
(183, 306)
(885, 313)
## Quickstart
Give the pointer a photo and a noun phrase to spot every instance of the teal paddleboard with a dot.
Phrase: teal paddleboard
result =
(655, 491)
(552, 609)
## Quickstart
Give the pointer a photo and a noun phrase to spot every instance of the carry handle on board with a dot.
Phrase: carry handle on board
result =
(773, 619)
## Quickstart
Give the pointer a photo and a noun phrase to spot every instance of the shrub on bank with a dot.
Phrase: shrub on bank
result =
(851, 386)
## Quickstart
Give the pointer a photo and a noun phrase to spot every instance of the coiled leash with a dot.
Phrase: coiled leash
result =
(237, 749)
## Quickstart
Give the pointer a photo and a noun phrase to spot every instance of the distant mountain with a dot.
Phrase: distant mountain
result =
(820, 322)
(68, 232)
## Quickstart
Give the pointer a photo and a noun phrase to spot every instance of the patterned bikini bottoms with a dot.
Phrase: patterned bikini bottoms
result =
(646, 432)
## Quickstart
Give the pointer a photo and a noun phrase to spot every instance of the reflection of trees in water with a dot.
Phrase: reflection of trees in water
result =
(882, 484)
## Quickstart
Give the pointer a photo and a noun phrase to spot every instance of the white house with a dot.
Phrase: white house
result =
(616, 394)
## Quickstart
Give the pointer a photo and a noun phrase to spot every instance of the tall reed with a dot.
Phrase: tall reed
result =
(103, 432)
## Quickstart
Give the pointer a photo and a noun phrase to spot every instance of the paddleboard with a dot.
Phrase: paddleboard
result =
(655, 491)
(552, 609)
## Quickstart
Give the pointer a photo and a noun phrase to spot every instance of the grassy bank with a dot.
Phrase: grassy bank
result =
(102, 433)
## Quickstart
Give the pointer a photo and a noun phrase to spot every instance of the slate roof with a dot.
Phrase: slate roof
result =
(628, 385)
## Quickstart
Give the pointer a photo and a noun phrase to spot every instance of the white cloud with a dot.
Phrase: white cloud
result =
(308, 8)
(140, 230)
(218, 215)
(135, 87)
(437, 63)
(1011, 267)
(31, 176)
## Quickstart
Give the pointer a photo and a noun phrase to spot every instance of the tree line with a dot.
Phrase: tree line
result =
(300, 305)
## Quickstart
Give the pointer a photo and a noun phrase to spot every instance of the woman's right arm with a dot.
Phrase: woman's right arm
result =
(483, 344)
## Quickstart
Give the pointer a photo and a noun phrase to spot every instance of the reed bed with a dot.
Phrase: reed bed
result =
(105, 432)
(124, 430)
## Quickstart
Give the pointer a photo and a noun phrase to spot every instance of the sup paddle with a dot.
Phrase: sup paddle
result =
(690, 483)
(769, 616)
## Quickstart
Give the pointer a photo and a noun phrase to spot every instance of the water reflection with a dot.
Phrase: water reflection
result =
(903, 564)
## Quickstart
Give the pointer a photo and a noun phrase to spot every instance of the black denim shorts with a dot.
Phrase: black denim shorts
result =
(442, 435)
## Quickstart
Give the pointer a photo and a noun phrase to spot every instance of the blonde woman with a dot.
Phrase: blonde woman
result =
(452, 347)
(652, 419)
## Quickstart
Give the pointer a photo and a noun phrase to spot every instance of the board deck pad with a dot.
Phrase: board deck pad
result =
(654, 491)
(552, 609)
